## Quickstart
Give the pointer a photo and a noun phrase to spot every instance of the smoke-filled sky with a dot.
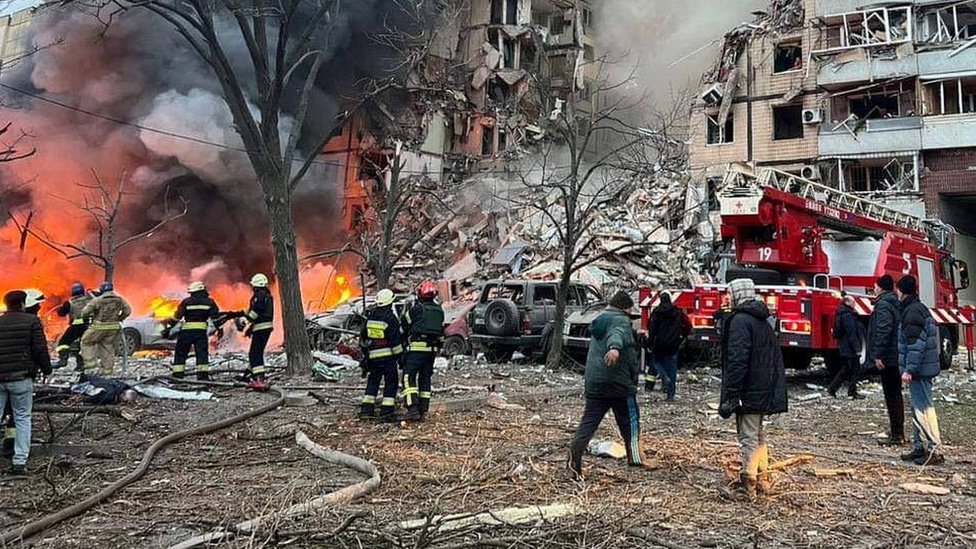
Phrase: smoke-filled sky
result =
(656, 33)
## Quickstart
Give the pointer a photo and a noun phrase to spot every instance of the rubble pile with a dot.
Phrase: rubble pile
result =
(781, 17)
(646, 233)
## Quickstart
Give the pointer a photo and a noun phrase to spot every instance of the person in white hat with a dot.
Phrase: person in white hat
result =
(260, 316)
(196, 312)
(382, 342)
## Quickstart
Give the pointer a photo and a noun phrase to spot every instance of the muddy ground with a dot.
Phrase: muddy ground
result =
(479, 458)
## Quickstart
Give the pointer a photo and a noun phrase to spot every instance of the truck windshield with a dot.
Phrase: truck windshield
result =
(514, 292)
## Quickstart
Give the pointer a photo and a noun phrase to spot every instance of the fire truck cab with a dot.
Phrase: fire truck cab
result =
(804, 244)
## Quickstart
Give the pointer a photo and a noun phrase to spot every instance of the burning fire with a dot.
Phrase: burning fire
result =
(163, 307)
(326, 287)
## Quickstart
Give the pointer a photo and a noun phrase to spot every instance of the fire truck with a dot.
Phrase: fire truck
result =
(804, 243)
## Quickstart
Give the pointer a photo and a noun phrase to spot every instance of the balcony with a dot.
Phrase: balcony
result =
(949, 132)
(938, 62)
(865, 69)
(884, 135)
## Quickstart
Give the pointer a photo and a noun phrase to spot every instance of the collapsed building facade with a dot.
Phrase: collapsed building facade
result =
(877, 99)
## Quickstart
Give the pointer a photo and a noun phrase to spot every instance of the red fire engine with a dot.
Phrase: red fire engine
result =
(803, 243)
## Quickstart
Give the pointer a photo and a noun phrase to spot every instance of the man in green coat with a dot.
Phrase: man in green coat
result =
(612, 370)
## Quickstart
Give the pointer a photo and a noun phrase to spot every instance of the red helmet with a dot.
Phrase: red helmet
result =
(427, 290)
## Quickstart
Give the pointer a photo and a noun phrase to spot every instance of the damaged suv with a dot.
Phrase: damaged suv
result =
(518, 315)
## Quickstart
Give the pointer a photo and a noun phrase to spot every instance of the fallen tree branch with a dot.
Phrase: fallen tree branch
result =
(342, 495)
(42, 524)
(503, 517)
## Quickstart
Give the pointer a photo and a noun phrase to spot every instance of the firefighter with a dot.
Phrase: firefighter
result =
(382, 344)
(424, 328)
(196, 311)
(104, 314)
(72, 309)
(260, 316)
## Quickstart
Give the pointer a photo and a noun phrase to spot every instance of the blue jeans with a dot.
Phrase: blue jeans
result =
(925, 424)
(667, 367)
(21, 395)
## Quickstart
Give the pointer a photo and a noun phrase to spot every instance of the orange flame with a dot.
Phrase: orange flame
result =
(163, 307)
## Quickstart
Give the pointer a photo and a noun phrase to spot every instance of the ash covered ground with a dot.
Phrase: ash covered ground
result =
(482, 453)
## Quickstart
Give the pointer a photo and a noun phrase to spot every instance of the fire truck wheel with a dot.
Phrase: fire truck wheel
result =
(949, 345)
(797, 359)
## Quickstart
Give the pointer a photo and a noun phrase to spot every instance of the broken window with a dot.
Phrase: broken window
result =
(514, 292)
(504, 12)
(712, 185)
(487, 140)
(788, 57)
(587, 18)
(544, 295)
(720, 134)
(951, 23)
(557, 24)
(788, 122)
(875, 106)
(502, 141)
(498, 90)
(950, 96)
(675, 216)
(880, 175)
(508, 46)
(873, 27)
(588, 53)
(586, 93)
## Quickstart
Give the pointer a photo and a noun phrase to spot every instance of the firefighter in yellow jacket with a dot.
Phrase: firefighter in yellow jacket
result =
(104, 314)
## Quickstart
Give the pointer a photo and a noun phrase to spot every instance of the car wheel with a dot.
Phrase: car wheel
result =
(546, 344)
(129, 342)
(502, 317)
(454, 345)
(495, 355)
(948, 345)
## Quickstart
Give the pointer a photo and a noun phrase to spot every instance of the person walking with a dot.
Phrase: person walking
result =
(918, 360)
(23, 356)
(753, 385)
(882, 353)
(849, 333)
(611, 376)
(104, 314)
(667, 330)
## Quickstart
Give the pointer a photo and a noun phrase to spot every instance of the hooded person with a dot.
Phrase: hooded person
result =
(611, 377)
(753, 385)
(849, 333)
(918, 360)
(667, 330)
(882, 354)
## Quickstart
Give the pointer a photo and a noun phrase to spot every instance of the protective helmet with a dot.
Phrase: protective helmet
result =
(259, 281)
(106, 287)
(34, 298)
(384, 298)
(77, 289)
(196, 287)
(427, 290)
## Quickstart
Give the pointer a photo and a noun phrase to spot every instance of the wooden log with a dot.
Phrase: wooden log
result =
(501, 517)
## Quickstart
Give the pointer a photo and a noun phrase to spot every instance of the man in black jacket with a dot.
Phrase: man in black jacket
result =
(882, 353)
(849, 333)
(668, 328)
(753, 384)
(23, 356)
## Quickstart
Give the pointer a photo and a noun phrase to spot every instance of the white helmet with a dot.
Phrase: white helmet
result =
(34, 297)
(196, 287)
(259, 281)
(384, 297)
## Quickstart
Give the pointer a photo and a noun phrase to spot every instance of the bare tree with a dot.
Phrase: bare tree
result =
(593, 155)
(286, 41)
(103, 206)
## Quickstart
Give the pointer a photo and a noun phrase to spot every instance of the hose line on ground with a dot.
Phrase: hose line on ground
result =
(42, 524)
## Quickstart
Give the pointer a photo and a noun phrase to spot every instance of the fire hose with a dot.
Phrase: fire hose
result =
(42, 524)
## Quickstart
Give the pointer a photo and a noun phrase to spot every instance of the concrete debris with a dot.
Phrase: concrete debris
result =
(610, 448)
(924, 489)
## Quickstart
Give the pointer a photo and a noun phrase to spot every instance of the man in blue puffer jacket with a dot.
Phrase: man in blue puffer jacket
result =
(918, 359)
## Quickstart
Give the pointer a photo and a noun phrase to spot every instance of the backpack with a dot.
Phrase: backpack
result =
(432, 321)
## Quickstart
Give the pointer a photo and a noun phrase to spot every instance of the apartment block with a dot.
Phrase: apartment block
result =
(887, 98)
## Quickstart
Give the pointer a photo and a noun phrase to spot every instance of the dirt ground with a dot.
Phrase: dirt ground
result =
(485, 458)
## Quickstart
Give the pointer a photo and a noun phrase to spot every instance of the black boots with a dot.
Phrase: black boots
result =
(203, 376)
(744, 491)
(913, 455)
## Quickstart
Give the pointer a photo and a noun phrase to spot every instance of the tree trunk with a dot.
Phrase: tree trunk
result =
(109, 270)
(283, 240)
(554, 360)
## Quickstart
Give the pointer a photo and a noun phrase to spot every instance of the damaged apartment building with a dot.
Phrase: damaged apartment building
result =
(484, 66)
(874, 98)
